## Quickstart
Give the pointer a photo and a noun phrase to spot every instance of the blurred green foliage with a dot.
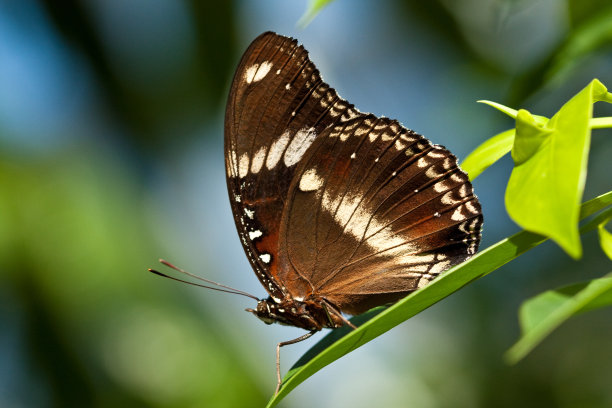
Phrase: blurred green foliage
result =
(75, 245)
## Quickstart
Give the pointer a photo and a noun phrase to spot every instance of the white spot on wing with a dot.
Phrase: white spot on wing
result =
(422, 162)
(265, 258)
(298, 146)
(436, 154)
(276, 150)
(233, 164)
(263, 70)
(422, 282)
(258, 160)
(432, 173)
(473, 224)
(243, 165)
(386, 137)
(255, 234)
(310, 180)
(361, 131)
(257, 72)
(440, 186)
(457, 216)
(448, 198)
(471, 208)
(456, 177)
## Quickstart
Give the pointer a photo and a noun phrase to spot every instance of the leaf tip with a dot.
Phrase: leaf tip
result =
(512, 356)
(572, 247)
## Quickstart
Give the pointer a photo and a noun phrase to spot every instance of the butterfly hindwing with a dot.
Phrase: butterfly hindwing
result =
(374, 212)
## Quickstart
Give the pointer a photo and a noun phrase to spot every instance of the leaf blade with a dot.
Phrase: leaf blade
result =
(542, 314)
(488, 153)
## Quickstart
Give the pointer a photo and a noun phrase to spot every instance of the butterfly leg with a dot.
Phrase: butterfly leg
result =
(285, 343)
(346, 321)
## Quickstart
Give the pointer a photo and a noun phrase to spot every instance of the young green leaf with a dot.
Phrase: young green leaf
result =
(496, 147)
(605, 238)
(540, 315)
(488, 153)
(547, 182)
(377, 321)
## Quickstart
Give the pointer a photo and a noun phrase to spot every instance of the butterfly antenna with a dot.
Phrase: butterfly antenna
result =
(227, 289)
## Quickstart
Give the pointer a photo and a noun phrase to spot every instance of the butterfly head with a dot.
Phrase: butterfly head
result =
(287, 312)
(263, 311)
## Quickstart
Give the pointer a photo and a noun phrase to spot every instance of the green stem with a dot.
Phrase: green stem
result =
(601, 123)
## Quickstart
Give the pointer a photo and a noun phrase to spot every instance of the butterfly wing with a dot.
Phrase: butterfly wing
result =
(277, 107)
(374, 212)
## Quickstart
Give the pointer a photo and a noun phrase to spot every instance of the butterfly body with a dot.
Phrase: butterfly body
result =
(310, 314)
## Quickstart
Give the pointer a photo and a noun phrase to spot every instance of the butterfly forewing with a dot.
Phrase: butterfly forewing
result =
(374, 212)
(278, 106)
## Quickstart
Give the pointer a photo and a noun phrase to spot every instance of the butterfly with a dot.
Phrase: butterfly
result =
(338, 211)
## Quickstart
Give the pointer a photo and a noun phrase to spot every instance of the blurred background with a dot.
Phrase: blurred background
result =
(111, 132)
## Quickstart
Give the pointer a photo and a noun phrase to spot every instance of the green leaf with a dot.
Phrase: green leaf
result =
(314, 7)
(605, 238)
(547, 182)
(540, 315)
(488, 153)
(378, 321)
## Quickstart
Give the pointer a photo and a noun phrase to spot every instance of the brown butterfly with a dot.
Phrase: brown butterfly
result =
(338, 211)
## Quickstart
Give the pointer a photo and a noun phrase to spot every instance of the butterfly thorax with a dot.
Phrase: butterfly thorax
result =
(309, 314)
